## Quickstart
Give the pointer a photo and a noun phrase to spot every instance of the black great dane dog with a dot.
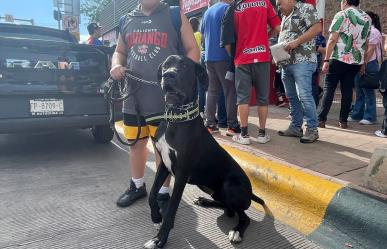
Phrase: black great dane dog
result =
(192, 155)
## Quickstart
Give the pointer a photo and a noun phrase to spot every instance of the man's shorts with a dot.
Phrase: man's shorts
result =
(131, 127)
(255, 75)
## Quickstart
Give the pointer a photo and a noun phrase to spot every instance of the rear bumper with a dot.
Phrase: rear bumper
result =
(51, 123)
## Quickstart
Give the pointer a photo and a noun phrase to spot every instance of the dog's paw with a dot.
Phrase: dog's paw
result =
(151, 244)
(157, 226)
(234, 237)
(154, 243)
(200, 201)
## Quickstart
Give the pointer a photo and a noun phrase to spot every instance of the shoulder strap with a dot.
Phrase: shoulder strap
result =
(176, 21)
(176, 18)
(124, 20)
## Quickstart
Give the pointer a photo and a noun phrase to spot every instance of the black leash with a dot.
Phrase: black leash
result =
(120, 90)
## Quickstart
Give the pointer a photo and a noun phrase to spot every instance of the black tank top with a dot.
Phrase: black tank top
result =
(149, 41)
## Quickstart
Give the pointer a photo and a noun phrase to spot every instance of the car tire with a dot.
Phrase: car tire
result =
(102, 133)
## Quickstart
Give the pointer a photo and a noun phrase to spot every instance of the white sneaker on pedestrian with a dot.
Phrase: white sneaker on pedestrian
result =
(379, 133)
(365, 122)
(241, 139)
(263, 138)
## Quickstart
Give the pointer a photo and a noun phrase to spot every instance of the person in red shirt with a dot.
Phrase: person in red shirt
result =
(252, 60)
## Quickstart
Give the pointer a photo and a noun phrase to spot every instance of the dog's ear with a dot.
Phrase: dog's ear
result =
(160, 73)
(202, 76)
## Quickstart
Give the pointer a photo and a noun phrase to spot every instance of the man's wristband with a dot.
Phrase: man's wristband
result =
(326, 60)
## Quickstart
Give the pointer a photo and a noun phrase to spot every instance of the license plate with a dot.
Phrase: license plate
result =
(43, 107)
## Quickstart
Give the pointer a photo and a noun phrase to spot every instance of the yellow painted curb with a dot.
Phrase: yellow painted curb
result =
(294, 197)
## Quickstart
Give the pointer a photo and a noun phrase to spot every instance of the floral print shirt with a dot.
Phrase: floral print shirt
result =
(297, 23)
(353, 26)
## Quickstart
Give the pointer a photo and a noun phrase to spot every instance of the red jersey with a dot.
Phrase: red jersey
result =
(251, 18)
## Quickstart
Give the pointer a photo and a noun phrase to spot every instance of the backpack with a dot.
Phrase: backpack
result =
(176, 21)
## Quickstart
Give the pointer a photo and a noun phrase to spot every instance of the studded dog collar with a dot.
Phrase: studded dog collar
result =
(179, 114)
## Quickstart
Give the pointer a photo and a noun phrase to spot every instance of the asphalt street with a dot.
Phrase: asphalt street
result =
(58, 190)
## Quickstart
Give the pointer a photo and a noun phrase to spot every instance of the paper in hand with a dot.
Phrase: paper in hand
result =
(279, 53)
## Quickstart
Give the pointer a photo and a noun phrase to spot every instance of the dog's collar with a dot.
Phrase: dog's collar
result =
(179, 114)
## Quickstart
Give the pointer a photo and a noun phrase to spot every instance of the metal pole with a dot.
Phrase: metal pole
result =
(59, 14)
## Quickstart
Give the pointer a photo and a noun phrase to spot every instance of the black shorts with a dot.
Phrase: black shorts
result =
(131, 127)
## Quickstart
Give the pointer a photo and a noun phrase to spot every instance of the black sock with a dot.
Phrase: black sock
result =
(244, 131)
(262, 132)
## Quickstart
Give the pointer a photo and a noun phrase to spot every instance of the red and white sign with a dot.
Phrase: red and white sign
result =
(191, 5)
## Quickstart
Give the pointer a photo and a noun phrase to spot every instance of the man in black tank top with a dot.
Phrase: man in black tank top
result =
(144, 43)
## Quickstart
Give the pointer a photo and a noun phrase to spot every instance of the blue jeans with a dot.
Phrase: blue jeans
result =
(365, 105)
(297, 80)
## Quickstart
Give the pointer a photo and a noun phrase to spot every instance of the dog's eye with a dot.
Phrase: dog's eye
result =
(168, 75)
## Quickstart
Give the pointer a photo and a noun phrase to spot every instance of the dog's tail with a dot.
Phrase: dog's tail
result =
(257, 199)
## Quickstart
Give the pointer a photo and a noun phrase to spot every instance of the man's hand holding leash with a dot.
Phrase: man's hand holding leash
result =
(117, 72)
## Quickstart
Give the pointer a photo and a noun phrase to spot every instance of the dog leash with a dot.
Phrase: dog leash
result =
(116, 91)
(120, 90)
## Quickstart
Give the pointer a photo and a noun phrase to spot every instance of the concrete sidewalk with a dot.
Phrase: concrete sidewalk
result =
(339, 153)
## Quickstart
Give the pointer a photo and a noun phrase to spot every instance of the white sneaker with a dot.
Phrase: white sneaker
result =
(241, 139)
(365, 122)
(350, 119)
(380, 134)
(262, 139)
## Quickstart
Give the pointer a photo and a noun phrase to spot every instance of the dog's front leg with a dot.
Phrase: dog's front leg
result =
(178, 189)
(161, 174)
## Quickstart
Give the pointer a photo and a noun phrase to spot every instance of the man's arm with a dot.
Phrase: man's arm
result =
(332, 40)
(119, 60)
(227, 32)
(311, 33)
(367, 56)
(371, 48)
(275, 31)
(228, 49)
(385, 43)
(188, 40)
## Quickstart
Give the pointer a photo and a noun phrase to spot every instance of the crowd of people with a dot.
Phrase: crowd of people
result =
(354, 48)
(234, 39)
